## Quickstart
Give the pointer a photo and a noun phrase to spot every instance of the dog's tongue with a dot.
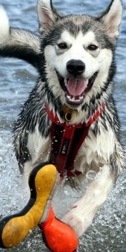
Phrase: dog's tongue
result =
(76, 87)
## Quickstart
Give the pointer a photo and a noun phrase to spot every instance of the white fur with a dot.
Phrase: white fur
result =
(94, 150)
(39, 150)
(4, 25)
(38, 146)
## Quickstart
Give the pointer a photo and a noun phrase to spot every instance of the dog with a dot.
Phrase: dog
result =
(75, 59)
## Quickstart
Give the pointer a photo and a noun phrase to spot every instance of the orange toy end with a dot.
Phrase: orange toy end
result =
(59, 236)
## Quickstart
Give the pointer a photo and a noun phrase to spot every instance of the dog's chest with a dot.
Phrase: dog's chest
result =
(94, 149)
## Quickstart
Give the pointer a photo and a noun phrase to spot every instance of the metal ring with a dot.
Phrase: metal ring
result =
(68, 117)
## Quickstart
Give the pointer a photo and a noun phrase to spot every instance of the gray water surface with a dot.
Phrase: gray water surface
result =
(108, 231)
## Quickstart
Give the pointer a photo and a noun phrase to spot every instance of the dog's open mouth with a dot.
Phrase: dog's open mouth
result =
(76, 89)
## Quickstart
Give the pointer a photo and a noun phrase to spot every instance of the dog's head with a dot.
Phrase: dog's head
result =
(78, 51)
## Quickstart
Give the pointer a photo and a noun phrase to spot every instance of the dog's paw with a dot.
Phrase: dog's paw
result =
(4, 24)
(78, 218)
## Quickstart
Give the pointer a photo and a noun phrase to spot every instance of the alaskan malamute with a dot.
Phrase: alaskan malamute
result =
(72, 101)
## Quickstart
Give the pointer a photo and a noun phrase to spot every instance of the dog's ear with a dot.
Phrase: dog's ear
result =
(46, 14)
(112, 18)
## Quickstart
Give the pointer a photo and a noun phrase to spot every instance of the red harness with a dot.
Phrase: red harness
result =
(66, 140)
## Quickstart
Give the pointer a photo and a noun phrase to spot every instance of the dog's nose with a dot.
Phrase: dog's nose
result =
(75, 67)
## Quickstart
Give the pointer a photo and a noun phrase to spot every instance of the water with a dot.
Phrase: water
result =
(108, 231)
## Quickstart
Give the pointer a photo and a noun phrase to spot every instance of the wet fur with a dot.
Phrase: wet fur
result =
(101, 151)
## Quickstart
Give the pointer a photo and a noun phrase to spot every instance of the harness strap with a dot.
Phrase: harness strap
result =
(66, 140)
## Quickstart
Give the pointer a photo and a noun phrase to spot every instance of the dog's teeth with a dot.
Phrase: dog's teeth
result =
(75, 99)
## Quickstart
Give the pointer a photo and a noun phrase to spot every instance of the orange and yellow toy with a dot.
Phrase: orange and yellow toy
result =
(59, 237)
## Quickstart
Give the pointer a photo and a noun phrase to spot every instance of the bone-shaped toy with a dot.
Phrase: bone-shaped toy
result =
(59, 237)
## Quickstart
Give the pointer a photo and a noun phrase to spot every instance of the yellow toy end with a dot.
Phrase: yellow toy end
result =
(13, 229)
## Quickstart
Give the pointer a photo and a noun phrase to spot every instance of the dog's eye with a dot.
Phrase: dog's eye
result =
(62, 45)
(92, 47)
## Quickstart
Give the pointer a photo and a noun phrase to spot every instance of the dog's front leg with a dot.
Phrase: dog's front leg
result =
(81, 215)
